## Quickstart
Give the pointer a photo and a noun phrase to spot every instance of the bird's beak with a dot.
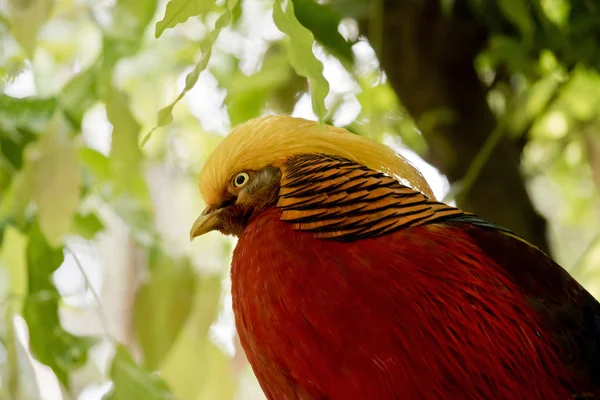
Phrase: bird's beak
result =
(206, 222)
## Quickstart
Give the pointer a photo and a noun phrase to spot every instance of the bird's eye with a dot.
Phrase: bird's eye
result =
(241, 179)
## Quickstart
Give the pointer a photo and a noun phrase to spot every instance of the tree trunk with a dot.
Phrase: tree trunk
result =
(428, 57)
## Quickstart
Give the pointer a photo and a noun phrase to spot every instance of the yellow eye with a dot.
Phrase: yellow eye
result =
(241, 179)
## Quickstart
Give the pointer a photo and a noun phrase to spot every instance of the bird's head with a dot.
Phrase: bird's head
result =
(241, 178)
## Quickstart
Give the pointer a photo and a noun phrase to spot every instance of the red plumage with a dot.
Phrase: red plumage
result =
(440, 311)
(351, 281)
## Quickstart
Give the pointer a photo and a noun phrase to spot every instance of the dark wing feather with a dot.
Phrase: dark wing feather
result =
(572, 313)
(338, 199)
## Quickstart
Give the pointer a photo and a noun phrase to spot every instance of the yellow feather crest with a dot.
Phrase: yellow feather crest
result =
(273, 139)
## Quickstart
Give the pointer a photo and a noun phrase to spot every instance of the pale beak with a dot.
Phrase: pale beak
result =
(205, 223)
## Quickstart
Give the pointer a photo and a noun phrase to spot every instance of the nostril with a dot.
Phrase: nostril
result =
(228, 202)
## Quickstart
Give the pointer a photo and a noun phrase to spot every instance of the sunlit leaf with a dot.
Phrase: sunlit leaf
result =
(517, 12)
(581, 95)
(13, 290)
(12, 148)
(236, 12)
(29, 114)
(219, 382)
(130, 381)
(532, 103)
(50, 343)
(56, 181)
(20, 122)
(179, 11)
(78, 95)
(381, 113)
(26, 18)
(130, 196)
(189, 361)
(123, 37)
(247, 95)
(557, 11)
(301, 55)
(87, 225)
(96, 163)
(13, 257)
(162, 305)
(134, 15)
(125, 153)
(10, 67)
(16, 199)
(323, 22)
(165, 115)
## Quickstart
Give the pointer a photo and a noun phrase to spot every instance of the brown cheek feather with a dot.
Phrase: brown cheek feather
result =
(261, 193)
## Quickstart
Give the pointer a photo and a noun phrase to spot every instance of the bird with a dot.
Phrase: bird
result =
(349, 280)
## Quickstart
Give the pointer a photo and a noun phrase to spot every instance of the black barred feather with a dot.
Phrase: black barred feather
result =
(339, 199)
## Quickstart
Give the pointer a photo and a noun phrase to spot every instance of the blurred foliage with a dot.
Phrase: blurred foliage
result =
(109, 109)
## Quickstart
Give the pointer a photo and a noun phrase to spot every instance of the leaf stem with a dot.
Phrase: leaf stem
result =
(477, 164)
(88, 283)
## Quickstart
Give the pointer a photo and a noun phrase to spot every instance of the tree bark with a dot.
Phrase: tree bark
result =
(428, 56)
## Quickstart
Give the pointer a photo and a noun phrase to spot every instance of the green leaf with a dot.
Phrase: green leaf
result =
(355, 9)
(20, 121)
(50, 343)
(236, 12)
(29, 114)
(13, 257)
(87, 225)
(17, 197)
(191, 359)
(557, 11)
(323, 22)
(56, 180)
(96, 164)
(125, 34)
(13, 260)
(580, 96)
(517, 12)
(165, 115)
(509, 52)
(179, 11)
(532, 103)
(79, 95)
(96, 173)
(129, 195)
(12, 148)
(301, 55)
(247, 95)
(132, 16)
(218, 381)
(26, 18)
(130, 381)
(125, 156)
(162, 305)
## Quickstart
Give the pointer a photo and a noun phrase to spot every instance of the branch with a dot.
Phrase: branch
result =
(428, 56)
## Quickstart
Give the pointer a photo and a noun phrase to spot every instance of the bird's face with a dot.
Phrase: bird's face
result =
(242, 177)
(246, 194)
